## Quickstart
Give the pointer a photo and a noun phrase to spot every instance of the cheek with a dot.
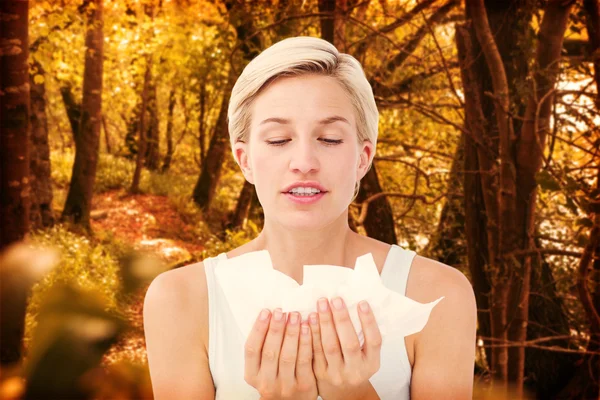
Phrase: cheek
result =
(343, 173)
(264, 166)
(262, 162)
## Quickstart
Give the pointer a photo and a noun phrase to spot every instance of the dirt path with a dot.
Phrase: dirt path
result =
(148, 223)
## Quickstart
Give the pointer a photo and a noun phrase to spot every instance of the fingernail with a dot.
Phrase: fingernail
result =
(304, 329)
(338, 304)
(322, 304)
(364, 306)
(277, 314)
(313, 319)
(264, 314)
(293, 318)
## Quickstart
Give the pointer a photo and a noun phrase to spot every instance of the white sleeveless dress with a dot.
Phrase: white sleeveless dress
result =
(226, 344)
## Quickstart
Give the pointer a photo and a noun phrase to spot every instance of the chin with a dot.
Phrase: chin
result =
(307, 220)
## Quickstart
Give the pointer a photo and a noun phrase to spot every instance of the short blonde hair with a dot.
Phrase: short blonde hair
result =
(297, 56)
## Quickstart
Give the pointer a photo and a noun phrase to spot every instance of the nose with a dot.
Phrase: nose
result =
(304, 156)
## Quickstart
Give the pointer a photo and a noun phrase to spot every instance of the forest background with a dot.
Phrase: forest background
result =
(114, 153)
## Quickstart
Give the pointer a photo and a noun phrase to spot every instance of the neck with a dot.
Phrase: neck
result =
(291, 249)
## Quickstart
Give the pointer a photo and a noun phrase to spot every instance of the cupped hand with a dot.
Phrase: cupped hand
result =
(341, 366)
(278, 357)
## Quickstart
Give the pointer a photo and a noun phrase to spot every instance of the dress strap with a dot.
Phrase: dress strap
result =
(210, 264)
(396, 269)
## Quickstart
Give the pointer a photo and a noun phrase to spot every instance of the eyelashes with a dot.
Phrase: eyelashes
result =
(328, 142)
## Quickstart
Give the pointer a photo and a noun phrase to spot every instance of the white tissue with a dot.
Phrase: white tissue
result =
(250, 284)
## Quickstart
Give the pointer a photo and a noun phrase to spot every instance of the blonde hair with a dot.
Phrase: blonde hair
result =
(297, 56)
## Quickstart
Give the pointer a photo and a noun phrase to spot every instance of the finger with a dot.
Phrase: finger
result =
(373, 339)
(329, 336)
(319, 361)
(254, 345)
(304, 372)
(269, 362)
(289, 353)
(349, 344)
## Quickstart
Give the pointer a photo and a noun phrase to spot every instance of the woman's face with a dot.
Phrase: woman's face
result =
(303, 129)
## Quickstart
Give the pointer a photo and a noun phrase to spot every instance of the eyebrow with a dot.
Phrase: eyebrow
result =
(325, 121)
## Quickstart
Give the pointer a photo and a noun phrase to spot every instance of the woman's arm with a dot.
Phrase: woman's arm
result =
(175, 312)
(445, 348)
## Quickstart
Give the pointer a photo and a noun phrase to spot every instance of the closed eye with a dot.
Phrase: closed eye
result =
(329, 142)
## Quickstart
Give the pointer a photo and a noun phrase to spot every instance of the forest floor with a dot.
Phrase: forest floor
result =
(148, 223)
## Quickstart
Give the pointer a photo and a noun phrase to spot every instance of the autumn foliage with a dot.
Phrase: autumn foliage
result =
(115, 166)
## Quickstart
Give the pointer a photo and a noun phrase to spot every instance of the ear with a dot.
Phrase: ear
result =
(367, 152)
(240, 153)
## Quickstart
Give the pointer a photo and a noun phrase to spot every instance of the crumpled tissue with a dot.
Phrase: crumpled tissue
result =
(250, 283)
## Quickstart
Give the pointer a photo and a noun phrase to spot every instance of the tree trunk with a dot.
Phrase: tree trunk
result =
(106, 135)
(530, 151)
(547, 372)
(169, 154)
(79, 199)
(141, 148)
(152, 158)
(206, 186)
(242, 209)
(152, 135)
(212, 164)
(202, 123)
(132, 137)
(14, 122)
(327, 22)
(72, 108)
(476, 221)
(509, 188)
(41, 183)
(379, 223)
(448, 243)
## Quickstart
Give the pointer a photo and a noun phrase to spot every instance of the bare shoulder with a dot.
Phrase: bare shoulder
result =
(445, 348)
(430, 279)
(185, 285)
(182, 291)
(176, 331)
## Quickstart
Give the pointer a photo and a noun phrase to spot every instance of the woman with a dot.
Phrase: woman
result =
(303, 126)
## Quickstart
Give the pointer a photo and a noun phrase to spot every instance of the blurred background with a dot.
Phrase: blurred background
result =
(116, 166)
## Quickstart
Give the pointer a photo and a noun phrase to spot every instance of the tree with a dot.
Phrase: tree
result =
(212, 164)
(509, 186)
(87, 140)
(170, 149)
(41, 184)
(147, 106)
(135, 184)
(14, 155)
(14, 120)
(586, 383)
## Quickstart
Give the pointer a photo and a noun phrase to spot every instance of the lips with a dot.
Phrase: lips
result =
(310, 184)
(304, 199)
